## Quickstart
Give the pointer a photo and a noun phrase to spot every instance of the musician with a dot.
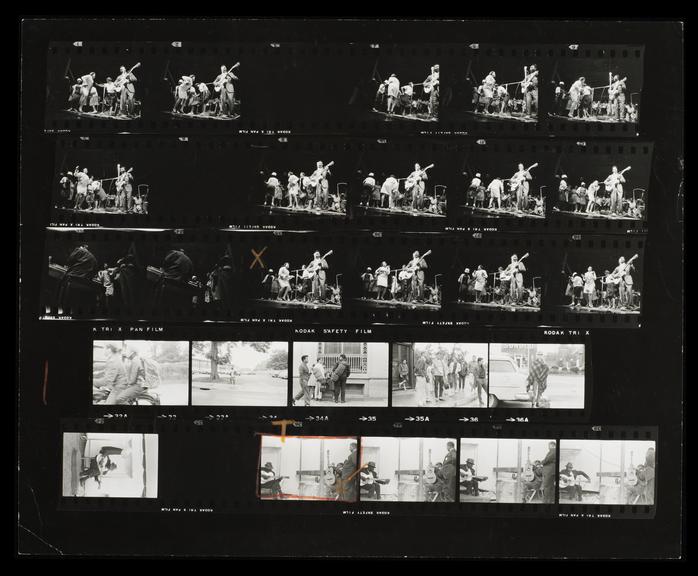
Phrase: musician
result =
(448, 472)
(304, 378)
(284, 279)
(307, 191)
(272, 186)
(368, 188)
(379, 101)
(126, 80)
(480, 277)
(531, 93)
(487, 92)
(471, 486)
(347, 475)
(74, 97)
(475, 185)
(321, 183)
(382, 275)
(617, 98)
(537, 374)
(576, 284)
(464, 285)
(615, 181)
(292, 186)
(501, 95)
(109, 95)
(433, 81)
(75, 289)
(416, 182)
(549, 464)
(367, 282)
(418, 265)
(124, 188)
(590, 286)
(515, 272)
(224, 81)
(625, 286)
(561, 99)
(610, 289)
(575, 93)
(104, 277)
(268, 480)
(521, 181)
(574, 491)
(504, 283)
(592, 193)
(563, 192)
(319, 266)
(393, 91)
(389, 190)
(496, 191)
(177, 269)
(373, 487)
(182, 93)
(87, 92)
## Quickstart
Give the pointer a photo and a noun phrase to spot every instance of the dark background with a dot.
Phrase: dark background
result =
(625, 392)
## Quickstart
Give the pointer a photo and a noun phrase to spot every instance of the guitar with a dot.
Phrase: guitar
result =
(408, 271)
(510, 270)
(466, 475)
(430, 473)
(616, 277)
(313, 180)
(121, 180)
(519, 177)
(430, 83)
(411, 181)
(121, 80)
(528, 79)
(218, 84)
(528, 474)
(611, 181)
(366, 479)
(567, 481)
(631, 473)
(613, 92)
(313, 268)
(329, 477)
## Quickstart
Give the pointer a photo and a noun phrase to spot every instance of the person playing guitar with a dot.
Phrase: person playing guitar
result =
(223, 84)
(616, 97)
(318, 179)
(469, 479)
(614, 184)
(369, 481)
(573, 480)
(622, 277)
(520, 183)
(430, 86)
(513, 274)
(529, 88)
(270, 481)
(414, 271)
(415, 185)
(317, 269)
(124, 84)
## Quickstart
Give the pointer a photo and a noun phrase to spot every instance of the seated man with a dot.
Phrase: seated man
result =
(436, 492)
(471, 485)
(269, 481)
(574, 489)
(535, 484)
(370, 483)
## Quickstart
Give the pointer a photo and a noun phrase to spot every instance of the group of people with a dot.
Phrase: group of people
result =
(406, 284)
(305, 284)
(81, 191)
(316, 379)
(508, 195)
(617, 288)
(126, 377)
(405, 100)
(493, 98)
(410, 197)
(305, 191)
(117, 99)
(438, 376)
(578, 101)
(601, 198)
(541, 481)
(507, 287)
(338, 481)
(195, 98)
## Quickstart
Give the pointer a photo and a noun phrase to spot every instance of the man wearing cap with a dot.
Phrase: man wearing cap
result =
(292, 188)
(367, 282)
(371, 485)
(393, 91)
(496, 189)
(475, 184)
(537, 374)
(268, 480)
(463, 285)
(368, 189)
(549, 465)
(574, 490)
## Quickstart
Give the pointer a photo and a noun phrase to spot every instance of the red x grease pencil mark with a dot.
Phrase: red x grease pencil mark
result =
(45, 385)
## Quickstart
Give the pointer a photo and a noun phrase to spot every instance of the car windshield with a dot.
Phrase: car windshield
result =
(501, 366)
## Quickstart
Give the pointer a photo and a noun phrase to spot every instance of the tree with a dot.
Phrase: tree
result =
(278, 360)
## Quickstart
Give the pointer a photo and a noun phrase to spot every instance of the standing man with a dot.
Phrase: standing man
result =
(126, 80)
(480, 276)
(322, 185)
(104, 276)
(304, 377)
(347, 488)
(480, 381)
(522, 178)
(531, 96)
(549, 469)
(615, 180)
(537, 374)
(419, 265)
(617, 102)
(448, 470)
(227, 91)
(433, 81)
(339, 376)
(320, 267)
(496, 190)
(393, 90)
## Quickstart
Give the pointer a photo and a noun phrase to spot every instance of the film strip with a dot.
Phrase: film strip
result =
(335, 374)
(363, 278)
(183, 87)
(568, 471)
(291, 182)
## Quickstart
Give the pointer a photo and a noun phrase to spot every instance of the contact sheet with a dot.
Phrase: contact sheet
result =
(409, 282)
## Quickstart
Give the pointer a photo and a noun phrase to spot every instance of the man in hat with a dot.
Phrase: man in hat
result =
(368, 189)
(574, 490)
(367, 282)
(563, 192)
(475, 184)
(537, 380)
(269, 481)
(273, 188)
(549, 464)
(370, 483)
(471, 486)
